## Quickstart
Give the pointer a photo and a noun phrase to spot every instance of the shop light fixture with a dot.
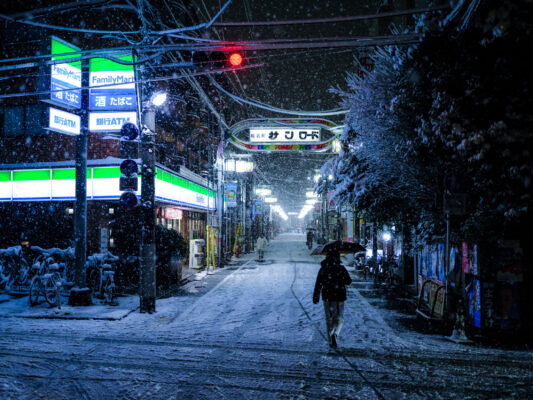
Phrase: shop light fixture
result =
(239, 166)
(311, 195)
(310, 201)
(271, 200)
(280, 211)
(263, 192)
(305, 209)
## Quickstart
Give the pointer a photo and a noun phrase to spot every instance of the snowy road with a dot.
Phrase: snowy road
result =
(250, 332)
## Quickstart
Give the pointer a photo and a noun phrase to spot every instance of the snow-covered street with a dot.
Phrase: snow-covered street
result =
(251, 332)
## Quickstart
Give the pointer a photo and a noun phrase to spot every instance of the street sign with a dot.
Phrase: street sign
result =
(110, 121)
(64, 122)
(128, 201)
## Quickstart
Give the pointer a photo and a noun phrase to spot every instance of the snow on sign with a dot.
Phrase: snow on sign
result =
(110, 121)
(64, 122)
(65, 83)
(284, 135)
(112, 84)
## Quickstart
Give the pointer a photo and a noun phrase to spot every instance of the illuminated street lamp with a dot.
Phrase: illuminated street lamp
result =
(158, 99)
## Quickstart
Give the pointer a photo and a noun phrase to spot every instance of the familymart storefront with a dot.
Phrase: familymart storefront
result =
(37, 200)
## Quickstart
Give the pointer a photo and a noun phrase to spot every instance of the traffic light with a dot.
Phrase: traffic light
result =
(235, 59)
(218, 60)
(129, 169)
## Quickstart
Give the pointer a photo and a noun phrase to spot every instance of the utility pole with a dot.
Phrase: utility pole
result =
(80, 294)
(146, 118)
(147, 281)
(220, 198)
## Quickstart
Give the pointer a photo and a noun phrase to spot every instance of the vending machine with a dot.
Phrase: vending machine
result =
(196, 253)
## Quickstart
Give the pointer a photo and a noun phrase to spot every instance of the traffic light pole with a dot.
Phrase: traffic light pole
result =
(80, 294)
(147, 261)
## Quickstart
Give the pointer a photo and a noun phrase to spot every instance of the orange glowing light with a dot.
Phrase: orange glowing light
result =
(235, 59)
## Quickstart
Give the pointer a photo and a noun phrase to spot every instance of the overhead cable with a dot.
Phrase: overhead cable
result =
(267, 107)
(334, 19)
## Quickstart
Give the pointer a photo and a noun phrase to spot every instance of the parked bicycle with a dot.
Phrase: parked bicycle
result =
(50, 274)
(14, 269)
(101, 276)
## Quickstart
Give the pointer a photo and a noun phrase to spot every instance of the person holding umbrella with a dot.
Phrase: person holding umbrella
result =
(331, 281)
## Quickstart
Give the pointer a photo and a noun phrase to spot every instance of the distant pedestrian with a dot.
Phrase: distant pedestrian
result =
(331, 281)
(260, 246)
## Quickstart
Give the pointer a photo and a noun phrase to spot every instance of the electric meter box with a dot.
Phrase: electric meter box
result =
(196, 253)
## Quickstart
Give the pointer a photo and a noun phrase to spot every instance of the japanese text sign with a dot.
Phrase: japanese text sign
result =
(284, 135)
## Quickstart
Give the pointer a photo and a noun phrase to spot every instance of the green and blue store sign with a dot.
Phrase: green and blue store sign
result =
(58, 184)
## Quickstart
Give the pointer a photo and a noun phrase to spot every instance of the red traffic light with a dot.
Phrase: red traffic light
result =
(235, 59)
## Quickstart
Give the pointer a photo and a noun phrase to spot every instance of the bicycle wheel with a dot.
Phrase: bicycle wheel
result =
(36, 288)
(109, 290)
(94, 282)
(51, 289)
(22, 273)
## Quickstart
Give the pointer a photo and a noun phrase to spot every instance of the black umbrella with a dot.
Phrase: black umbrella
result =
(340, 246)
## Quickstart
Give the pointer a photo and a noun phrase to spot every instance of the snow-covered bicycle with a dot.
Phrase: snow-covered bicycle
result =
(14, 269)
(101, 276)
(50, 272)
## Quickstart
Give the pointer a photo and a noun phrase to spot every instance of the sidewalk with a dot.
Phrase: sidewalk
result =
(12, 307)
(20, 308)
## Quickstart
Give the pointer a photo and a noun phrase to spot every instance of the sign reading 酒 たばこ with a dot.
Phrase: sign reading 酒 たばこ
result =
(112, 84)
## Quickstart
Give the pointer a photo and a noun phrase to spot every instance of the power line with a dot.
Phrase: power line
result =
(335, 19)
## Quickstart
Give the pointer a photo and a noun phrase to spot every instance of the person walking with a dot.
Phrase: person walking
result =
(260, 246)
(331, 282)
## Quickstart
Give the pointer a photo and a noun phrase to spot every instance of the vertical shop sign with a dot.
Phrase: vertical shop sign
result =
(65, 78)
(230, 194)
(464, 257)
(473, 261)
(434, 261)
(474, 303)
(440, 265)
(257, 208)
(112, 84)
(453, 255)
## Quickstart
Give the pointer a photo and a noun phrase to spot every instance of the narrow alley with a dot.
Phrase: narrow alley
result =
(251, 331)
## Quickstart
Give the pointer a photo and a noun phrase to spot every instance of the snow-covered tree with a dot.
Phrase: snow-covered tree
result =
(457, 102)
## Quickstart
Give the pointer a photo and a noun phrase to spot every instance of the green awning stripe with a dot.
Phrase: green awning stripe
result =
(64, 173)
(169, 177)
(32, 175)
(5, 176)
(111, 172)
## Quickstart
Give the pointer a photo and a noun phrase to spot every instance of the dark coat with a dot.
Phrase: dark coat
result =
(331, 281)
